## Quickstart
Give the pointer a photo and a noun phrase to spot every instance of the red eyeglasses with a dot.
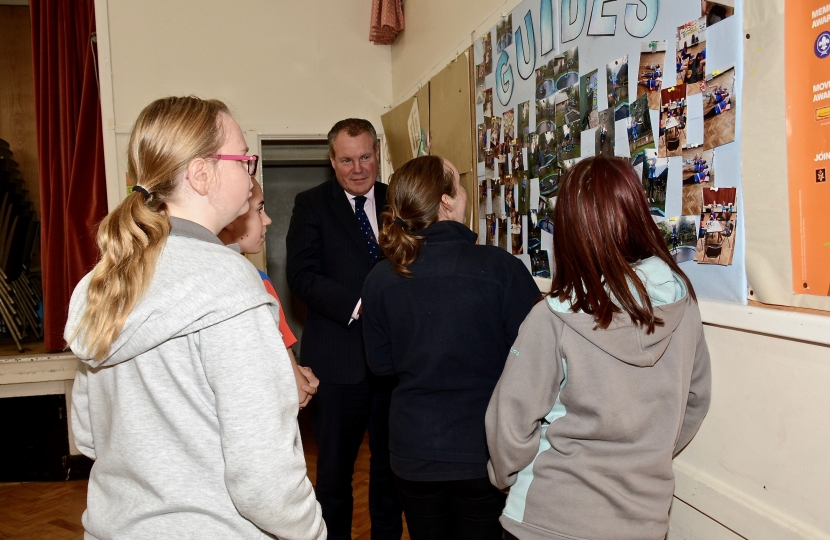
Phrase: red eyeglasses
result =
(252, 161)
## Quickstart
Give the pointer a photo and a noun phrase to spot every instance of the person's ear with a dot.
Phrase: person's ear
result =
(198, 175)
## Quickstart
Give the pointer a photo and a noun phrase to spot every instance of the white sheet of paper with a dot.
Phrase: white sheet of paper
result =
(510, 163)
(547, 245)
(482, 231)
(674, 187)
(495, 168)
(489, 198)
(500, 211)
(588, 142)
(525, 259)
(694, 124)
(414, 125)
(621, 147)
(524, 157)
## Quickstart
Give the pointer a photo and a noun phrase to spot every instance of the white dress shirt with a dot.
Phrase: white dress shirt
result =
(371, 212)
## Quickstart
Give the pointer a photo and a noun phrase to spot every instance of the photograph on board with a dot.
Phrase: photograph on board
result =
(547, 163)
(523, 123)
(681, 237)
(516, 241)
(501, 232)
(566, 105)
(672, 136)
(716, 236)
(715, 12)
(698, 172)
(544, 214)
(588, 100)
(604, 134)
(559, 73)
(617, 83)
(509, 126)
(523, 202)
(568, 142)
(640, 134)
(691, 55)
(719, 109)
(490, 236)
(504, 34)
(488, 103)
(483, 188)
(655, 180)
(495, 134)
(544, 114)
(539, 264)
(651, 71)
(487, 48)
(481, 139)
(479, 84)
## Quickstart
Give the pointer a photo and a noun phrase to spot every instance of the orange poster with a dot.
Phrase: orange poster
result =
(807, 62)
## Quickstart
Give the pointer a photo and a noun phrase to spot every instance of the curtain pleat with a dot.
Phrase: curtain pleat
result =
(70, 152)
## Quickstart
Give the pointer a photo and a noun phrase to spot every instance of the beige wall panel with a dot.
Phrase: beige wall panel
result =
(451, 123)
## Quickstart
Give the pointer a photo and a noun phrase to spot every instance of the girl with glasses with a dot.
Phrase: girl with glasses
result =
(185, 397)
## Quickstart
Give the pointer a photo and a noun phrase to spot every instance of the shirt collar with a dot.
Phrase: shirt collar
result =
(370, 196)
(191, 229)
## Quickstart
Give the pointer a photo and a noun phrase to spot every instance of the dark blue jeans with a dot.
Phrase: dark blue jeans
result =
(451, 510)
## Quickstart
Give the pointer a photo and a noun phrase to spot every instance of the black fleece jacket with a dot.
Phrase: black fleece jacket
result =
(446, 333)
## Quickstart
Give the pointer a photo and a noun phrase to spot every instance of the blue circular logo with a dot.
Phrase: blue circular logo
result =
(822, 46)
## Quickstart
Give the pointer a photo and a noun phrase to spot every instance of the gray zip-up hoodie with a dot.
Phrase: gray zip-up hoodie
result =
(584, 423)
(192, 418)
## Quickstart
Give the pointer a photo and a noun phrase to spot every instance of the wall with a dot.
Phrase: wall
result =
(17, 95)
(285, 68)
(756, 469)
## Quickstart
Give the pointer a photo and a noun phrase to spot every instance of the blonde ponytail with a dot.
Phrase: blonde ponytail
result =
(167, 135)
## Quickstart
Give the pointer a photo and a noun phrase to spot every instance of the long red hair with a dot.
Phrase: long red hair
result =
(602, 225)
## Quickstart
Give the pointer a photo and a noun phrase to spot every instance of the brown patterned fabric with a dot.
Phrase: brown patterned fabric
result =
(387, 21)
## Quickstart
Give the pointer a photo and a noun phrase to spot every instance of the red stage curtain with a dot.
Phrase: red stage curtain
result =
(73, 192)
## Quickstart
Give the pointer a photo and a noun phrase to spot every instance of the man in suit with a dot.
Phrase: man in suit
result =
(332, 246)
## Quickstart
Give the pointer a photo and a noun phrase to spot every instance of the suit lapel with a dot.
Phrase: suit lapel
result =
(342, 208)
(380, 202)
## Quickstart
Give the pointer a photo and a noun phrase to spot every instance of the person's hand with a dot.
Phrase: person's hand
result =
(309, 388)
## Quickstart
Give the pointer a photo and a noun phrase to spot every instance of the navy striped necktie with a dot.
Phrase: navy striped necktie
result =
(366, 226)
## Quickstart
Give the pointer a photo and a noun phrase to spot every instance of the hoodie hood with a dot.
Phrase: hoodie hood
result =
(624, 340)
(198, 282)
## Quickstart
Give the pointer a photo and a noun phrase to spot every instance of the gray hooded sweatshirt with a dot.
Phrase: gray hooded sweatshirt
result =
(192, 417)
(583, 424)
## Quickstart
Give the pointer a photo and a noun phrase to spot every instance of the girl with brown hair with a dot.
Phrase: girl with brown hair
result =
(185, 397)
(609, 377)
(441, 313)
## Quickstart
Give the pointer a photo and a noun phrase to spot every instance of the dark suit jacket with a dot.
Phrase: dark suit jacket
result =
(327, 263)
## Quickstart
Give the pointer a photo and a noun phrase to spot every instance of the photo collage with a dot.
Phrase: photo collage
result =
(530, 146)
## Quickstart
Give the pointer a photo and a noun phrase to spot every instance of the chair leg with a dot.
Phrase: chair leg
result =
(10, 325)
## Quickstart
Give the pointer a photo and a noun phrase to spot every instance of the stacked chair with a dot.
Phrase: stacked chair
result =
(20, 285)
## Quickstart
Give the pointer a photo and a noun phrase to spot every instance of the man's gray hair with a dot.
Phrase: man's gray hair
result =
(353, 127)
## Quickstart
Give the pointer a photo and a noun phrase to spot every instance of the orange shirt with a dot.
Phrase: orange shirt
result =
(288, 336)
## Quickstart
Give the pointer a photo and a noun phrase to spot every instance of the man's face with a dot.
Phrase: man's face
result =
(355, 162)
